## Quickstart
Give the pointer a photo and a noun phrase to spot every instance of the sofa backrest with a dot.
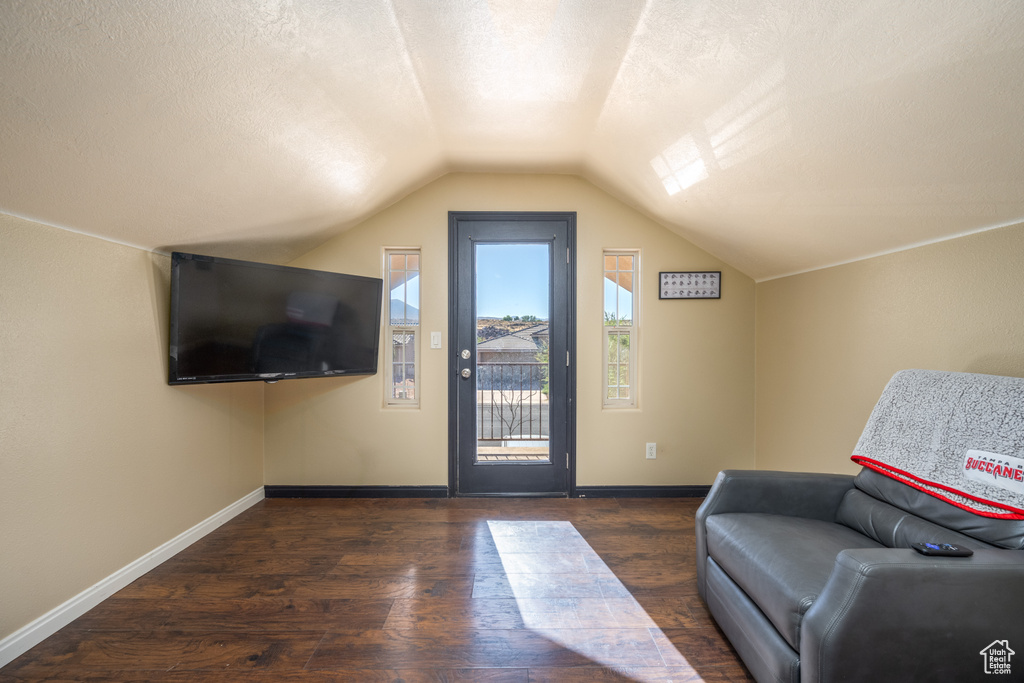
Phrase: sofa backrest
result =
(896, 515)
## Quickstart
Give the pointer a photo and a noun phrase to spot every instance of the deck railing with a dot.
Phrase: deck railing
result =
(512, 401)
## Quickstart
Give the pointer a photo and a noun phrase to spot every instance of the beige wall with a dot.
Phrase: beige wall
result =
(100, 460)
(828, 341)
(697, 369)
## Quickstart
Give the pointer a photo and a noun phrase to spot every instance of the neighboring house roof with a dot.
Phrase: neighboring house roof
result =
(508, 342)
(533, 332)
(528, 339)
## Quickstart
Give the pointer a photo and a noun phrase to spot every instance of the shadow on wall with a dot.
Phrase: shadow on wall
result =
(160, 293)
(289, 393)
(1005, 364)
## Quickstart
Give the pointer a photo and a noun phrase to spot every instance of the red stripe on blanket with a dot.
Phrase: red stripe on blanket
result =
(919, 483)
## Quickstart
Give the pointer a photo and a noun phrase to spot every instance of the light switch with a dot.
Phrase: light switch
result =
(435, 340)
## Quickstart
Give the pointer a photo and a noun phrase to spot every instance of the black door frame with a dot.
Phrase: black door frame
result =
(454, 217)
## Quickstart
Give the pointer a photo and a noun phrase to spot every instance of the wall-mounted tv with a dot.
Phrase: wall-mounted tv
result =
(237, 321)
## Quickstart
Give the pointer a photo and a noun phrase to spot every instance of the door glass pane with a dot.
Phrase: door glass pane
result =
(513, 291)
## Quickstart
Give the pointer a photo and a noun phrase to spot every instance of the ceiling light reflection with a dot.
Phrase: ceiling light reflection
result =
(338, 156)
(680, 165)
(752, 122)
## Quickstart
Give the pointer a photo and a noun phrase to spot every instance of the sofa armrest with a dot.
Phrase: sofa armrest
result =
(894, 614)
(796, 494)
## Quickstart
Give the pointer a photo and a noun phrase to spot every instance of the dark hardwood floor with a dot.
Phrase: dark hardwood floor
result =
(414, 590)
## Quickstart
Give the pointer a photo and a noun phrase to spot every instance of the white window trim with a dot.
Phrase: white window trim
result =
(634, 336)
(390, 330)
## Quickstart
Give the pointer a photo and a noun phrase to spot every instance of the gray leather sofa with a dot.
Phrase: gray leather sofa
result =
(812, 578)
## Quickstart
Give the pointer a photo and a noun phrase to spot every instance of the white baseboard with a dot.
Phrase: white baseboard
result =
(27, 637)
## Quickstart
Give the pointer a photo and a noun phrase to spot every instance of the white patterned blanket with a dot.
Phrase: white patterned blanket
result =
(954, 435)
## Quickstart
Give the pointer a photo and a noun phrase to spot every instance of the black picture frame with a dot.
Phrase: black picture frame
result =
(690, 284)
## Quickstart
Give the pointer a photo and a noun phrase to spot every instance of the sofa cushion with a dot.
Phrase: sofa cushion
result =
(1004, 533)
(894, 528)
(756, 640)
(781, 563)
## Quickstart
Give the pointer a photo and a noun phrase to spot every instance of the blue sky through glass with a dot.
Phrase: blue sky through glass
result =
(618, 302)
(512, 279)
(412, 291)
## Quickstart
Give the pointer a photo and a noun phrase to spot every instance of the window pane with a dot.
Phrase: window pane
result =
(626, 280)
(397, 279)
(412, 299)
(397, 297)
(610, 302)
(403, 343)
(625, 263)
(622, 348)
(625, 298)
(609, 263)
(397, 262)
(413, 262)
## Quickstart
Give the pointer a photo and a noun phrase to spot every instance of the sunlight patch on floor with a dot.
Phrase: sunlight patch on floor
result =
(565, 592)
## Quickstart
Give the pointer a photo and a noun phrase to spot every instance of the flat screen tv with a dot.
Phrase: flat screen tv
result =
(238, 321)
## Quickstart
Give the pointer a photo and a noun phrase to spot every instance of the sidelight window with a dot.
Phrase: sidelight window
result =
(621, 320)
(402, 311)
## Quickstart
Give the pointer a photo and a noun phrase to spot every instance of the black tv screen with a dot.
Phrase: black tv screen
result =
(237, 321)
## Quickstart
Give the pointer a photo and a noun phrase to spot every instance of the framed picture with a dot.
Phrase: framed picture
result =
(689, 284)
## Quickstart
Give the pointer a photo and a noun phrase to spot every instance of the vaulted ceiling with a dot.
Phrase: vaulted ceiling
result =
(780, 135)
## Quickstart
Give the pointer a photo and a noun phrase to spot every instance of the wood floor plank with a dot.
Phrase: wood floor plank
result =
(532, 613)
(705, 647)
(417, 590)
(539, 585)
(667, 674)
(245, 615)
(395, 561)
(266, 562)
(503, 675)
(487, 648)
(455, 613)
(80, 652)
(365, 585)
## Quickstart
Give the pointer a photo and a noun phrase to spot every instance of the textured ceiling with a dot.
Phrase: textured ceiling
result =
(780, 135)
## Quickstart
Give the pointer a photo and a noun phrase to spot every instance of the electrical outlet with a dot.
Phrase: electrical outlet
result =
(652, 451)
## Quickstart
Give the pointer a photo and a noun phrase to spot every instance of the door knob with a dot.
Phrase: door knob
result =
(466, 372)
